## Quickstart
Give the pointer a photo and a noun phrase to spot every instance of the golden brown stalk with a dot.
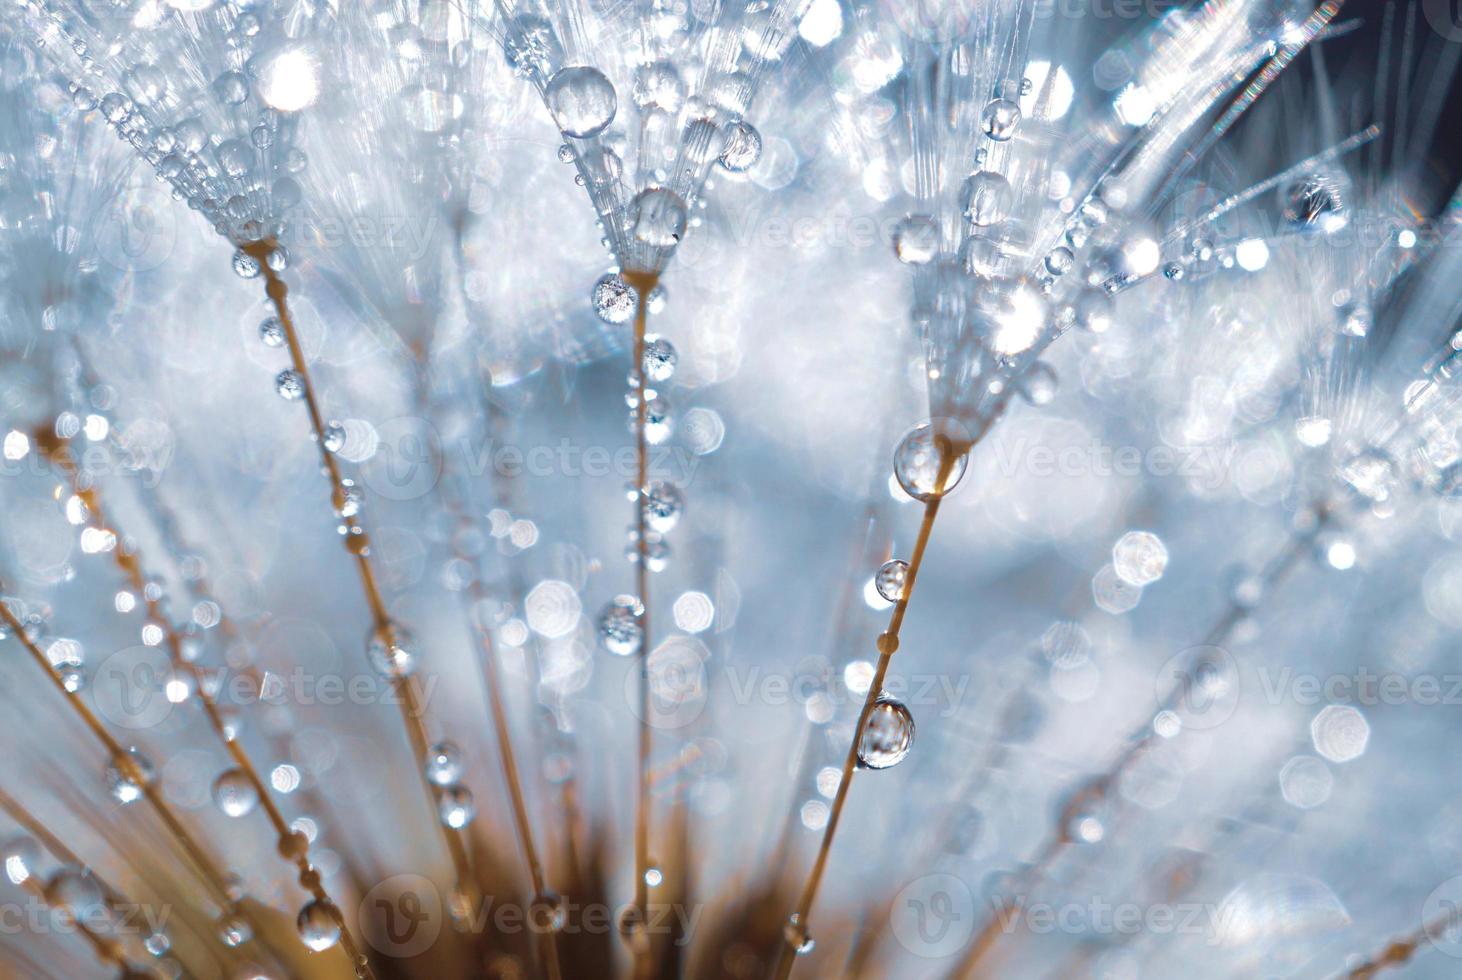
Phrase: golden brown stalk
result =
(888, 643)
(293, 845)
(358, 543)
(1398, 952)
(642, 283)
(208, 870)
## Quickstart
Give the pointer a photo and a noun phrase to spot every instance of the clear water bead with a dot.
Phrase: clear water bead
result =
(234, 931)
(797, 936)
(662, 504)
(443, 764)
(1093, 311)
(742, 149)
(919, 457)
(392, 652)
(245, 265)
(660, 358)
(22, 858)
(319, 925)
(1059, 260)
(128, 775)
(614, 299)
(235, 794)
(547, 912)
(1039, 384)
(916, 239)
(999, 119)
(78, 894)
(582, 101)
(334, 436)
(659, 217)
(891, 579)
(620, 631)
(1316, 202)
(271, 332)
(985, 198)
(888, 736)
(456, 807)
(1140, 558)
(290, 384)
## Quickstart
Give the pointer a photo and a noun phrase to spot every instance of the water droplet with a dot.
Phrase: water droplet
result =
(1039, 384)
(530, 46)
(797, 937)
(456, 807)
(916, 239)
(245, 265)
(290, 384)
(986, 198)
(613, 298)
(127, 775)
(547, 912)
(22, 857)
(1316, 202)
(660, 358)
(888, 736)
(231, 88)
(234, 931)
(582, 101)
(620, 631)
(443, 764)
(662, 503)
(659, 217)
(235, 794)
(658, 85)
(319, 925)
(920, 455)
(891, 578)
(78, 894)
(391, 652)
(1059, 260)
(1093, 311)
(157, 944)
(743, 147)
(999, 119)
(271, 332)
(334, 436)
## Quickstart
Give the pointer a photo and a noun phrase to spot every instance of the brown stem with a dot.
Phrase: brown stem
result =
(358, 543)
(642, 283)
(888, 644)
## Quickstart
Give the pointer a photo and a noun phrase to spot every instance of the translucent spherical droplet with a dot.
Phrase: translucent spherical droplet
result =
(1059, 260)
(1039, 384)
(234, 931)
(290, 384)
(659, 217)
(742, 149)
(231, 88)
(659, 424)
(620, 631)
(888, 736)
(999, 119)
(392, 652)
(891, 578)
(77, 893)
(1093, 311)
(1139, 557)
(926, 450)
(1316, 202)
(319, 925)
(797, 936)
(916, 239)
(582, 101)
(456, 807)
(22, 857)
(128, 775)
(334, 436)
(443, 764)
(659, 360)
(157, 944)
(986, 198)
(614, 299)
(245, 265)
(235, 794)
(662, 504)
(547, 912)
(271, 332)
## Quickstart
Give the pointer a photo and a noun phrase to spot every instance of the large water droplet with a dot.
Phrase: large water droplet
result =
(888, 736)
(582, 101)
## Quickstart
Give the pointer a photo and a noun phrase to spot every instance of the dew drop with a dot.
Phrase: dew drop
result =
(888, 736)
